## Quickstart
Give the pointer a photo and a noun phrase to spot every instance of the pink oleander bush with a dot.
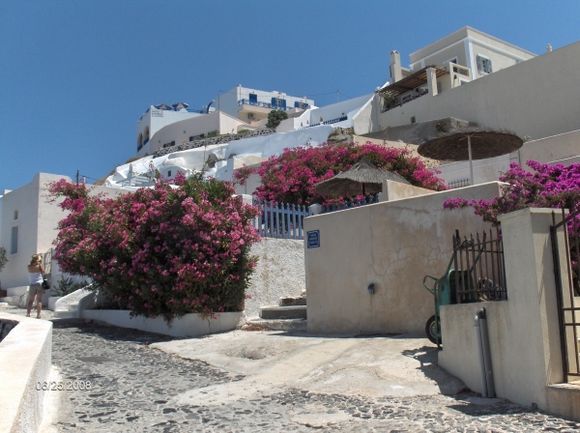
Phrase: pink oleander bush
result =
(165, 251)
(291, 176)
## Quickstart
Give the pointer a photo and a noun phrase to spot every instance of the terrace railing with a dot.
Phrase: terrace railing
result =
(280, 220)
(286, 220)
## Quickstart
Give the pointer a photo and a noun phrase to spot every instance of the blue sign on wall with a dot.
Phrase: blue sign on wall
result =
(313, 239)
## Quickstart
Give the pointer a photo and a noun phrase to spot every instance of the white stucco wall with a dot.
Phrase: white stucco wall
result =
(25, 357)
(523, 331)
(392, 244)
(37, 224)
(180, 131)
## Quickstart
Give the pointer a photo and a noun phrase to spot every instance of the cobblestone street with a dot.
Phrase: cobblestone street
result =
(133, 386)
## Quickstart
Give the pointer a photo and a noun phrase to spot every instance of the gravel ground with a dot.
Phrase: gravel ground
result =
(133, 389)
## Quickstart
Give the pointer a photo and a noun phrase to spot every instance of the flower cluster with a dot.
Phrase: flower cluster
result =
(164, 251)
(292, 176)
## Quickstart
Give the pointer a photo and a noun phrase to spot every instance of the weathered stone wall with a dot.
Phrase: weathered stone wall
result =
(279, 273)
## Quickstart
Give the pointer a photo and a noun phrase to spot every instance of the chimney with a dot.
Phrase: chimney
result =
(395, 67)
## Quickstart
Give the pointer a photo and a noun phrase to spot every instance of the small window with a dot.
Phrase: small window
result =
(253, 98)
(14, 241)
(168, 173)
(483, 65)
(15, 214)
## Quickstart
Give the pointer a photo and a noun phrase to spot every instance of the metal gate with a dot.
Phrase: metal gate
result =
(565, 237)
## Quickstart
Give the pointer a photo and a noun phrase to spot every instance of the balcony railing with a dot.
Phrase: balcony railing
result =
(264, 105)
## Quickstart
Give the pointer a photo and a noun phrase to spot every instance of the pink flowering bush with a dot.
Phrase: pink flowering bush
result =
(165, 251)
(291, 177)
(546, 185)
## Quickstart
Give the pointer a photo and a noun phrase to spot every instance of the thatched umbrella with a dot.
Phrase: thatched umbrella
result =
(362, 178)
(469, 144)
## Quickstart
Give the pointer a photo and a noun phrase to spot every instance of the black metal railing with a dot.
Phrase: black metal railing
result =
(565, 237)
(479, 269)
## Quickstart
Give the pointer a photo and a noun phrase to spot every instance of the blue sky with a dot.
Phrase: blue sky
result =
(76, 75)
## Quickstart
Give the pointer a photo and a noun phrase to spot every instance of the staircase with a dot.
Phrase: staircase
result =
(288, 315)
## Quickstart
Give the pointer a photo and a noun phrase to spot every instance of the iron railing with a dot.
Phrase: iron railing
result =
(567, 277)
(479, 269)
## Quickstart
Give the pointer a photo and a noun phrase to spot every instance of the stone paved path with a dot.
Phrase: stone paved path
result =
(133, 386)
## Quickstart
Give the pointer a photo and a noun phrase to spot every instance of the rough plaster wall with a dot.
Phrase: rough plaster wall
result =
(279, 273)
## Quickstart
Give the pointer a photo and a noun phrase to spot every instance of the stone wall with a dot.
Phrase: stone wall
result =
(279, 273)
(391, 245)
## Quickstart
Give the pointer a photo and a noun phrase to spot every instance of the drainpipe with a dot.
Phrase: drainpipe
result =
(482, 338)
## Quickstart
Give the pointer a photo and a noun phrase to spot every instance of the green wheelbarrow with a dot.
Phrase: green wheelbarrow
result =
(444, 289)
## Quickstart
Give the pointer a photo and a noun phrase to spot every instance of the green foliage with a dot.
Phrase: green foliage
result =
(275, 117)
(66, 286)
(3, 258)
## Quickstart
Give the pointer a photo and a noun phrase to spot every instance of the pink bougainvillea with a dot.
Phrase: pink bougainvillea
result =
(545, 185)
(291, 177)
(163, 251)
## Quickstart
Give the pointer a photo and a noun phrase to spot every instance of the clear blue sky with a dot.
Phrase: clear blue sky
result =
(75, 75)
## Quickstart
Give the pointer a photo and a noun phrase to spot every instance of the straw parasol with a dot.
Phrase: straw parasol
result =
(362, 178)
(469, 144)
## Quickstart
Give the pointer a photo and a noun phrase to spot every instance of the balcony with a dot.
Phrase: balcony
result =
(266, 105)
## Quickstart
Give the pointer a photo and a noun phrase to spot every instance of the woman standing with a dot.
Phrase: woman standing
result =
(35, 278)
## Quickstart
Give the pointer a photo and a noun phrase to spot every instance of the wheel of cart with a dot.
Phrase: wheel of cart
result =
(453, 287)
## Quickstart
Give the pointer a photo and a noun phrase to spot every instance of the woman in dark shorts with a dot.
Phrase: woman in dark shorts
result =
(35, 278)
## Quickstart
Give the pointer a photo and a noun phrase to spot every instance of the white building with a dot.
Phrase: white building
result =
(158, 116)
(456, 59)
(252, 105)
(28, 225)
(183, 131)
(495, 85)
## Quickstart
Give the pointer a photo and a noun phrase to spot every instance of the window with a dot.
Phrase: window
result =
(14, 241)
(253, 98)
(279, 103)
(15, 214)
(483, 65)
(168, 173)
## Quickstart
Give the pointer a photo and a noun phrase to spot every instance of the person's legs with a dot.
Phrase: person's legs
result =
(38, 302)
(31, 296)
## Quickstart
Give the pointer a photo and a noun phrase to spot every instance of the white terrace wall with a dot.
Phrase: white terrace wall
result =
(392, 244)
(523, 331)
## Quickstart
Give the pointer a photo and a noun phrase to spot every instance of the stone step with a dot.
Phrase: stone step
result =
(274, 312)
(289, 301)
(297, 325)
(15, 301)
(16, 291)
